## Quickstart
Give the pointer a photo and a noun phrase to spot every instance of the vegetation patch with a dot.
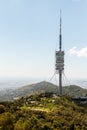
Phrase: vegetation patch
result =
(38, 112)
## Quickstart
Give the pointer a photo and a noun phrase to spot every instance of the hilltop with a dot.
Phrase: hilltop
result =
(41, 87)
(42, 112)
(72, 90)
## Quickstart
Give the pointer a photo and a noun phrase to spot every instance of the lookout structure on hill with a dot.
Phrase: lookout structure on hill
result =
(59, 55)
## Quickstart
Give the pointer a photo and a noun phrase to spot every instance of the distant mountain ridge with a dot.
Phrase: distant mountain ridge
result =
(42, 87)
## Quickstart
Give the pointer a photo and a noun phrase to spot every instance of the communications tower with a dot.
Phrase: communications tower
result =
(59, 55)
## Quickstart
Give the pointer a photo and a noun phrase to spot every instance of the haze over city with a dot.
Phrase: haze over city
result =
(29, 35)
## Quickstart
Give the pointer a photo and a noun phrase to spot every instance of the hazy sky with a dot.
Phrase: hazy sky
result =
(29, 34)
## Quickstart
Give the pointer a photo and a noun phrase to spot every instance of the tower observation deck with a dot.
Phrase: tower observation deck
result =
(59, 55)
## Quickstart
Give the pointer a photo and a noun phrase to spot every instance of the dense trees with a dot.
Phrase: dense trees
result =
(38, 112)
(6, 121)
(2, 108)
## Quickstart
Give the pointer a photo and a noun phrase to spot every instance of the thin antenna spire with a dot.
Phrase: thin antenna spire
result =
(60, 35)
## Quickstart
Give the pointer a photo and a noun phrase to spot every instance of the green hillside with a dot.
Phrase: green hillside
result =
(74, 90)
(37, 88)
(71, 90)
(42, 87)
(42, 112)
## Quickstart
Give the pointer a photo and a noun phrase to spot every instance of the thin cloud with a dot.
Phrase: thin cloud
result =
(79, 53)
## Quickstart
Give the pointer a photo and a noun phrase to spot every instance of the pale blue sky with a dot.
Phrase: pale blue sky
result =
(29, 32)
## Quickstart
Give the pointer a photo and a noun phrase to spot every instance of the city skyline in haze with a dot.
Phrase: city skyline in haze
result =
(29, 35)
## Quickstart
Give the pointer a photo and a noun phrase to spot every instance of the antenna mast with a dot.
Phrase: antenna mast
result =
(60, 35)
(60, 59)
